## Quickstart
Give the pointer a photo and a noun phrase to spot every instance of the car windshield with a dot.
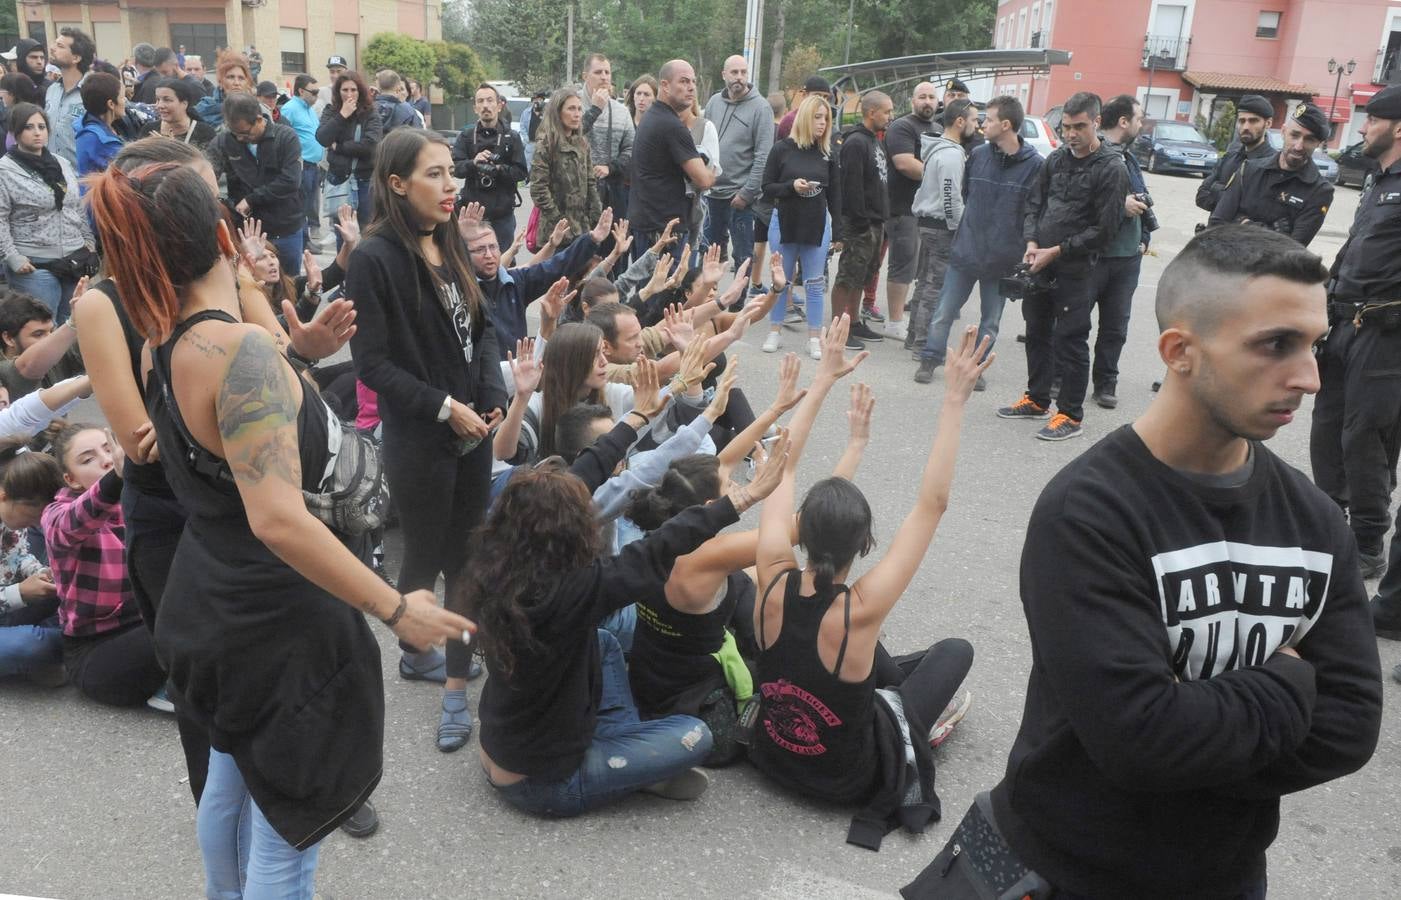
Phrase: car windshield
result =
(1029, 129)
(1170, 131)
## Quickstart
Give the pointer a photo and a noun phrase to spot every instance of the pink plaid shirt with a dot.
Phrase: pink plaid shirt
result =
(84, 532)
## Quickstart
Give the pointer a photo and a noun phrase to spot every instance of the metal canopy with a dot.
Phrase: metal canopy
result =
(883, 74)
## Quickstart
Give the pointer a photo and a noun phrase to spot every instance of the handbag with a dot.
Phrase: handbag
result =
(977, 864)
(81, 263)
(532, 231)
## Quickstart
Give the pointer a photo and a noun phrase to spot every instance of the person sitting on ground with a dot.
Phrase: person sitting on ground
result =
(31, 640)
(106, 651)
(556, 712)
(36, 354)
(825, 728)
(34, 412)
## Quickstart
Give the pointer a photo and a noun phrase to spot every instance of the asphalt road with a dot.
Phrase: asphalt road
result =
(94, 805)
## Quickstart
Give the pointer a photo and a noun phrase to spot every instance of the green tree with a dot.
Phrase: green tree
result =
(410, 58)
(802, 61)
(526, 39)
(459, 70)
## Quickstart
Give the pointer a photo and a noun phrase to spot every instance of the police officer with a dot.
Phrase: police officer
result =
(1254, 116)
(1357, 412)
(1285, 192)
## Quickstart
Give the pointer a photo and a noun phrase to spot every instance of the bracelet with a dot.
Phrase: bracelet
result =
(641, 415)
(678, 385)
(398, 613)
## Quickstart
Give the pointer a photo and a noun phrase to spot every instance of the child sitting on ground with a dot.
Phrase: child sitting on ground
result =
(31, 644)
(106, 651)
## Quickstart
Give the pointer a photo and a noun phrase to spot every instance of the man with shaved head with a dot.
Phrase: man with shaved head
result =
(664, 157)
(865, 206)
(742, 119)
(902, 143)
(1203, 643)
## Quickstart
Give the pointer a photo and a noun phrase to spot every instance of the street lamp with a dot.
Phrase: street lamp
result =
(1339, 68)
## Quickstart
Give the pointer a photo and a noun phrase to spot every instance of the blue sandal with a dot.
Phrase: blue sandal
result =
(455, 726)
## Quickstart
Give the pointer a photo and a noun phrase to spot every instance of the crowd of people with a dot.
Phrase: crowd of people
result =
(214, 550)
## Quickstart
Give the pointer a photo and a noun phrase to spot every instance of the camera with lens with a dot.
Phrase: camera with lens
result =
(1024, 283)
(1144, 197)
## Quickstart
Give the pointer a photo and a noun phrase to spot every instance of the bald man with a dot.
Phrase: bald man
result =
(902, 142)
(742, 118)
(1203, 644)
(664, 158)
(865, 206)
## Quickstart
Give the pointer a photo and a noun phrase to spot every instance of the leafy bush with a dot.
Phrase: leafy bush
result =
(458, 69)
(410, 58)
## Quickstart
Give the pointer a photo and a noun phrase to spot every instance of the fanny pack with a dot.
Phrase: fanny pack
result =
(81, 263)
(977, 864)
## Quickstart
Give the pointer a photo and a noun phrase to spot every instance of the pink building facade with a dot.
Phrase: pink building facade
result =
(1184, 58)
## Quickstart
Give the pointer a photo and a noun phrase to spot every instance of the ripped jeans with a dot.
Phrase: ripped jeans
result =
(626, 755)
(813, 259)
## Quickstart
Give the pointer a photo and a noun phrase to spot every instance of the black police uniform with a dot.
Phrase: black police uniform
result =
(1357, 414)
(1290, 202)
(1236, 155)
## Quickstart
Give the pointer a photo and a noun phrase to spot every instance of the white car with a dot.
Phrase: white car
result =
(1038, 134)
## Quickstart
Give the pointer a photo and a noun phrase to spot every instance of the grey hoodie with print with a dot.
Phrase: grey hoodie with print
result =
(940, 193)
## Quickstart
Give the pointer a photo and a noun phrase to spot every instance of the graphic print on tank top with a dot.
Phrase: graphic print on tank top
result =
(460, 316)
(1229, 605)
(795, 719)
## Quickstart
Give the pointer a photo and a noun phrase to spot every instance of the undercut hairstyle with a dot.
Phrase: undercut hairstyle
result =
(301, 82)
(574, 433)
(872, 101)
(242, 108)
(957, 109)
(388, 80)
(605, 317)
(81, 45)
(1009, 110)
(31, 478)
(17, 309)
(597, 291)
(1082, 102)
(22, 88)
(22, 113)
(98, 90)
(834, 527)
(688, 481)
(1120, 107)
(1199, 286)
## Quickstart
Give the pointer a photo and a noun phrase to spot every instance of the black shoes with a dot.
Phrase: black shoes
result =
(363, 823)
(1105, 396)
(1387, 623)
(864, 332)
(1373, 565)
(926, 371)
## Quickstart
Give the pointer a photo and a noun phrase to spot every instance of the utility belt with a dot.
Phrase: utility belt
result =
(1382, 314)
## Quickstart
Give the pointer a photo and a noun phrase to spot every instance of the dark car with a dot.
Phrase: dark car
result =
(1174, 147)
(1354, 166)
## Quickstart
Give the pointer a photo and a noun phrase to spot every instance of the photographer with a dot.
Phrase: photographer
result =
(1072, 214)
(1116, 277)
(490, 159)
(1286, 192)
(987, 245)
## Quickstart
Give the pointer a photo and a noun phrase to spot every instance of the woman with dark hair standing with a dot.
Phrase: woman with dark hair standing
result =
(562, 183)
(641, 95)
(350, 130)
(822, 730)
(262, 626)
(426, 346)
(41, 215)
(175, 99)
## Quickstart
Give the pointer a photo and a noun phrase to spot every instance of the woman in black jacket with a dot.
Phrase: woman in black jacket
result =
(350, 129)
(426, 345)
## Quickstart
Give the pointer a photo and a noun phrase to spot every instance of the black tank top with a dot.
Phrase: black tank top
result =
(671, 667)
(815, 733)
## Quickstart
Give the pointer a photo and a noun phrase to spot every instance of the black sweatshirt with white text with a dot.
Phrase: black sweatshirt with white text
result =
(1161, 726)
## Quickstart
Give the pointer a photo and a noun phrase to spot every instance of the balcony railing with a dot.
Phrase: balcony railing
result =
(1036, 38)
(1165, 52)
(1386, 71)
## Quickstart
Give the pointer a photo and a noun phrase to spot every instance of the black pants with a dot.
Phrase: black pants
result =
(1057, 341)
(738, 414)
(441, 498)
(1112, 283)
(1356, 420)
(118, 668)
(927, 681)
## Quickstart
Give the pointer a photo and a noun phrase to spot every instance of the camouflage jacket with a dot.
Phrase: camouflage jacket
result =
(562, 186)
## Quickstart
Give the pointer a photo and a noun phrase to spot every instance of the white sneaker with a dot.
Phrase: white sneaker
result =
(897, 330)
(771, 342)
(815, 348)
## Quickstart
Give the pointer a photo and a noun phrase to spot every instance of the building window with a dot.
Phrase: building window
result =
(1001, 31)
(1268, 25)
(345, 46)
(1034, 39)
(1046, 24)
(204, 41)
(293, 51)
(1021, 28)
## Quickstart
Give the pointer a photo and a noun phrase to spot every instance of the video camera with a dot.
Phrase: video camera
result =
(1024, 283)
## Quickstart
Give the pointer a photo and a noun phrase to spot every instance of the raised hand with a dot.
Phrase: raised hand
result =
(600, 228)
(721, 401)
(469, 219)
(622, 240)
(347, 225)
(555, 299)
(964, 364)
(777, 279)
(312, 272)
(667, 238)
(858, 418)
(693, 368)
(834, 363)
(788, 394)
(251, 238)
(78, 291)
(647, 396)
(711, 267)
(328, 331)
(561, 231)
(678, 274)
(768, 472)
(526, 370)
(678, 328)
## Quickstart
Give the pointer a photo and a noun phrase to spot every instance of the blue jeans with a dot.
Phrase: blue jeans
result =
(622, 624)
(289, 251)
(244, 858)
(814, 261)
(626, 755)
(46, 287)
(725, 223)
(958, 284)
(311, 182)
(29, 639)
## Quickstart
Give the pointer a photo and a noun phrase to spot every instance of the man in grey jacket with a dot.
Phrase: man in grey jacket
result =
(744, 121)
(608, 126)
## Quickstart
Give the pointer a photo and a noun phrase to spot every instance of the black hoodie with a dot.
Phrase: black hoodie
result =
(23, 48)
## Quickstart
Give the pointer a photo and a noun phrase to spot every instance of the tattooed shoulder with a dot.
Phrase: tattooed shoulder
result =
(257, 411)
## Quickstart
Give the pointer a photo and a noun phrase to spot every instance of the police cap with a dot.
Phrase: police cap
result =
(954, 84)
(1386, 104)
(1312, 120)
(1254, 103)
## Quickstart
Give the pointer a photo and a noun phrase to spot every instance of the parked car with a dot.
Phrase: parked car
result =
(1038, 134)
(1174, 147)
(1327, 166)
(1354, 166)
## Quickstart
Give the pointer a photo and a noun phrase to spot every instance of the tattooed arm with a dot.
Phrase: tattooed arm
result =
(256, 408)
